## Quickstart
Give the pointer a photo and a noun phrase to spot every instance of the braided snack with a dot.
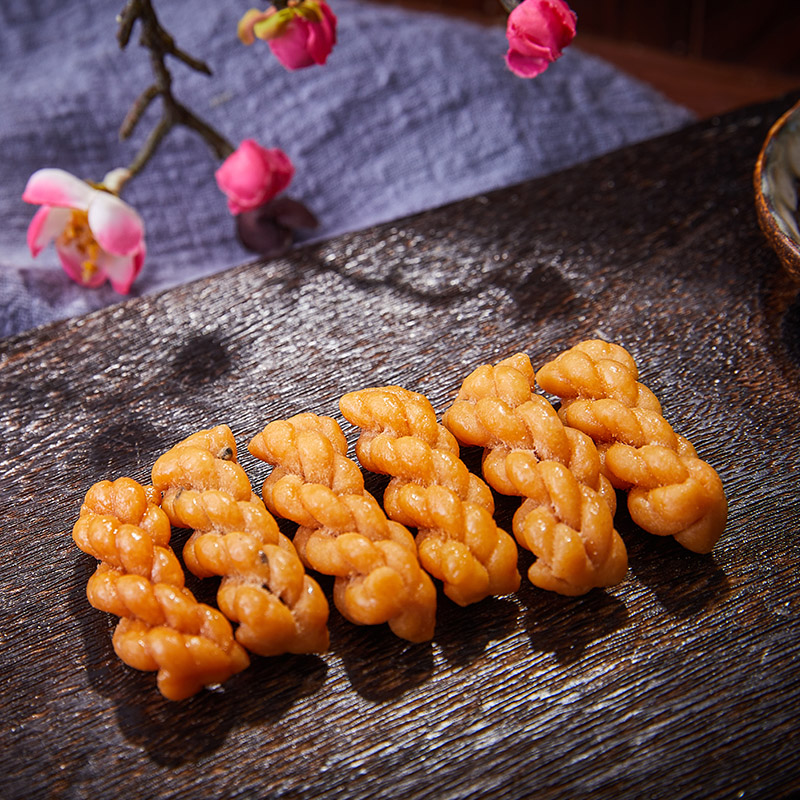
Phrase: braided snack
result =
(139, 579)
(432, 490)
(566, 517)
(264, 587)
(343, 531)
(671, 492)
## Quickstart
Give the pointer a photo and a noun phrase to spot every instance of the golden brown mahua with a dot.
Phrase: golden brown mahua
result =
(343, 531)
(162, 627)
(432, 490)
(671, 492)
(264, 587)
(566, 518)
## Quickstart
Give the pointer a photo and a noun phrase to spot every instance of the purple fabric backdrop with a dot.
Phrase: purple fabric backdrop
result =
(413, 110)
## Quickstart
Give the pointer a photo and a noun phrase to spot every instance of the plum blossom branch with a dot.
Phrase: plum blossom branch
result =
(161, 44)
(98, 237)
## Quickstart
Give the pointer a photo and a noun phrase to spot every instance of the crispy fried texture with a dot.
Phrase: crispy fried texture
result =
(264, 588)
(343, 531)
(139, 579)
(566, 519)
(432, 490)
(671, 492)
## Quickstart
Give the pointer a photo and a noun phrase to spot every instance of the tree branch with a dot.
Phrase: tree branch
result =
(150, 146)
(138, 108)
(160, 45)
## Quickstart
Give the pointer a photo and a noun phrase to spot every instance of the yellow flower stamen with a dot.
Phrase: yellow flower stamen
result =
(77, 234)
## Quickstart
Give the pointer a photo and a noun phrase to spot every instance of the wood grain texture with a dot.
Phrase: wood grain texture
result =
(680, 682)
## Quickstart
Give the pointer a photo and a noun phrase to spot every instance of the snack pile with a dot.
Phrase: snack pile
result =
(565, 464)
(162, 627)
(566, 517)
(264, 587)
(433, 491)
(671, 492)
(343, 530)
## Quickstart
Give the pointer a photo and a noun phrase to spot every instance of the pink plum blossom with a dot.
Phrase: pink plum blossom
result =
(537, 32)
(300, 35)
(97, 235)
(253, 175)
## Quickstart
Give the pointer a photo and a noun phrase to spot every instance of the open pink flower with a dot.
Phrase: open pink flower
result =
(98, 237)
(253, 175)
(300, 35)
(537, 32)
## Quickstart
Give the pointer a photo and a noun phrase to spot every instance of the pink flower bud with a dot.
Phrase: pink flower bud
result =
(253, 175)
(537, 31)
(300, 35)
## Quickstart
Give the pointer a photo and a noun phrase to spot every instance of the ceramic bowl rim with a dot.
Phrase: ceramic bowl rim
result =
(785, 244)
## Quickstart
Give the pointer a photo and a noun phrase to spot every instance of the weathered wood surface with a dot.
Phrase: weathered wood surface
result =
(680, 682)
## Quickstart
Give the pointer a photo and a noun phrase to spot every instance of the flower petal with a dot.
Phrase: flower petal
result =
(57, 187)
(524, 66)
(331, 20)
(282, 170)
(291, 48)
(72, 260)
(322, 36)
(318, 40)
(122, 270)
(116, 226)
(47, 223)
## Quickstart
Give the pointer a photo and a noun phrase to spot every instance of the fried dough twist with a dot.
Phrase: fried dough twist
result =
(264, 588)
(671, 492)
(343, 531)
(139, 579)
(566, 518)
(432, 490)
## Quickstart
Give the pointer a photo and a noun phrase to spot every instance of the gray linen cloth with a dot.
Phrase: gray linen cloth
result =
(413, 110)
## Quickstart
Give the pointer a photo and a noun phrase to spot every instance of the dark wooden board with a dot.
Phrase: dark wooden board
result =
(680, 682)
